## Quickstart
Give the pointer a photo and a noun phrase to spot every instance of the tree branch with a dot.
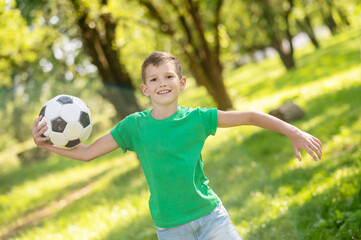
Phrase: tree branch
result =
(184, 24)
(193, 10)
(157, 15)
(217, 22)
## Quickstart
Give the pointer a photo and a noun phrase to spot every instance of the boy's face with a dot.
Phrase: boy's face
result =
(162, 84)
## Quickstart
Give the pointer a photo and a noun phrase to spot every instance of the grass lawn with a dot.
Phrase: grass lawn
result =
(267, 192)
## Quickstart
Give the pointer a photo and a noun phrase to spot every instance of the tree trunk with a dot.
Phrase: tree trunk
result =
(274, 34)
(311, 34)
(331, 24)
(328, 18)
(286, 56)
(208, 60)
(203, 60)
(212, 82)
(99, 45)
(343, 17)
(307, 28)
(123, 100)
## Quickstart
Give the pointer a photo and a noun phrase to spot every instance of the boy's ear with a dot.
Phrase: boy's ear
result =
(144, 89)
(183, 83)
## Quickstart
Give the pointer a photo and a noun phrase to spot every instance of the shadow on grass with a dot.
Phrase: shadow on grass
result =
(334, 220)
(51, 165)
(334, 111)
(244, 184)
(33, 171)
(121, 186)
(335, 213)
(339, 108)
(33, 216)
(248, 193)
(141, 228)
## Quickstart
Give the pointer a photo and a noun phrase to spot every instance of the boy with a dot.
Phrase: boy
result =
(168, 140)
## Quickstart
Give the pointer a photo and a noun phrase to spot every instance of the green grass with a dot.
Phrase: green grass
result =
(268, 193)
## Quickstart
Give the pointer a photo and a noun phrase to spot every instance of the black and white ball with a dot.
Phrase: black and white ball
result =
(68, 120)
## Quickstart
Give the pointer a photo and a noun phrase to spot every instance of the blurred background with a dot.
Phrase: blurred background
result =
(244, 55)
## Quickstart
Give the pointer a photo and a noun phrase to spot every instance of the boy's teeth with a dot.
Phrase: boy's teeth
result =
(162, 92)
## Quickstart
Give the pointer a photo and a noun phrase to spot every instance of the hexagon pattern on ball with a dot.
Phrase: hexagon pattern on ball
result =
(72, 143)
(68, 120)
(64, 99)
(42, 111)
(84, 119)
(58, 124)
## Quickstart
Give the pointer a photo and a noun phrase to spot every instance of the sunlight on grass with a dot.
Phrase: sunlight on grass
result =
(36, 193)
(107, 209)
(94, 218)
(348, 78)
(8, 157)
(332, 113)
(348, 138)
(322, 183)
(267, 192)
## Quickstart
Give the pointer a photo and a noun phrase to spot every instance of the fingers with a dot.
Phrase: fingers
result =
(310, 144)
(41, 130)
(318, 141)
(313, 155)
(36, 123)
(38, 130)
(317, 147)
(297, 153)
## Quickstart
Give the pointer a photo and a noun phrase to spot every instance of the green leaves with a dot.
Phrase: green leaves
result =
(20, 44)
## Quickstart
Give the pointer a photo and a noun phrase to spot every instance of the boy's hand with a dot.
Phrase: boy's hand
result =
(303, 140)
(38, 131)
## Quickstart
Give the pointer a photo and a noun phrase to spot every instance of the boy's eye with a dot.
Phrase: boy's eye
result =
(170, 76)
(153, 79)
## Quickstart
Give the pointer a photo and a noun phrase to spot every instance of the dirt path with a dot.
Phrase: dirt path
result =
(38, 216)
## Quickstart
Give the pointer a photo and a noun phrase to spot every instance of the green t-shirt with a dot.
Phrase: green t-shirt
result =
(170, 154)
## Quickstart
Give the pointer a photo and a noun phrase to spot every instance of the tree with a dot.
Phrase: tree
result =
(98, 37)
(194, 26)
(258, 24)
(304, 21)
(273, 17)
(97, 29)
(17, 58)
(15, 53)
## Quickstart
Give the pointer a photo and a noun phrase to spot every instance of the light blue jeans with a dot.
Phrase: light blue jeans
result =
(214, 226)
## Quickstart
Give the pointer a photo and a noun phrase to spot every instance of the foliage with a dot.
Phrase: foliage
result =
(248, 28)
(198, 36)
(21, 46)
(268, 193)
(238, 29)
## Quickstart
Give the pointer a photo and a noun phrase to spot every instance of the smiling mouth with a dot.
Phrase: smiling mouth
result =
(163, 92)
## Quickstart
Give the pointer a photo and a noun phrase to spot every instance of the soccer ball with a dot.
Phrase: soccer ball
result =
(68, 120)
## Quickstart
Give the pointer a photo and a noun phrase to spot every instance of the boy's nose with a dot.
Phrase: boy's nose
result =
(163, 82)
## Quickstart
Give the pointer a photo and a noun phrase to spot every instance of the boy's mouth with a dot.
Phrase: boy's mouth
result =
(163, 92)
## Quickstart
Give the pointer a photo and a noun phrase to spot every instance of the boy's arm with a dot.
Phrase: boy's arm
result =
(81, 152)
(300, 139)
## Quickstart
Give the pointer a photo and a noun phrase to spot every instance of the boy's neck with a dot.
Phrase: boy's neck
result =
(163, 112)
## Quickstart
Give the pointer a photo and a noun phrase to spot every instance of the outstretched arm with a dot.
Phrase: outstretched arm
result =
(81, 152)
(300, 139)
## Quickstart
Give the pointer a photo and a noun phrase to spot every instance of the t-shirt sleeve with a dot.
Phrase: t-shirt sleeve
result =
(208, 117)
(121, 134)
